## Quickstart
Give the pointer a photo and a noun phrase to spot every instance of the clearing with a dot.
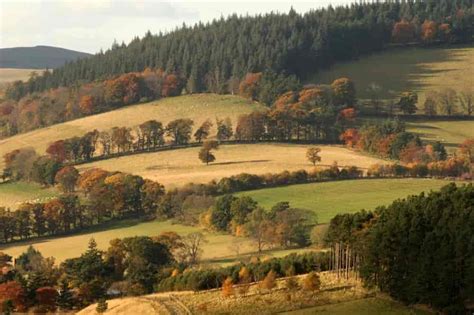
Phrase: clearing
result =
(331, 198)
(15, 193)
(178, 167)
(197, 107)
(398, 70)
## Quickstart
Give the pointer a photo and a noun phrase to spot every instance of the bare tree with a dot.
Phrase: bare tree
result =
(447, 100)
(466, 98)
(192, 247)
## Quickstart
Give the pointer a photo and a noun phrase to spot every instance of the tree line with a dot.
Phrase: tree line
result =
(130, 267)
(213, 57)
(418, 249)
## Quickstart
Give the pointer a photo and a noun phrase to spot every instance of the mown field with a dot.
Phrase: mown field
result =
(9, 75)
(398, 70)
(198, 107)
(331, 198)
(326, 199)
(178, 167)
(15, 193)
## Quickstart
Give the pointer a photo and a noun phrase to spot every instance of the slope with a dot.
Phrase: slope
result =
(198, 107)
(38, 57)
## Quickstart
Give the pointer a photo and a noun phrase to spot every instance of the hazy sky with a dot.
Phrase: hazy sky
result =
(89, 25)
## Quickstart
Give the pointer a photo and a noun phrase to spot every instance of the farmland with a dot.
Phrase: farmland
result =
(398, 70)
(198, 107)
(13, 194)
(326, 199)
(178, 167)
(10, 75)
(329, 199)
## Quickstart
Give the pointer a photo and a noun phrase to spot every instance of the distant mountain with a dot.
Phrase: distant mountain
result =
(38, 57)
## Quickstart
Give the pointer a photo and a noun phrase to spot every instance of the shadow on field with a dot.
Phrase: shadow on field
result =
(239, 162)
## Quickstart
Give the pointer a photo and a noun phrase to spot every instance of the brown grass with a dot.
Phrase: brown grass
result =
(178, 167)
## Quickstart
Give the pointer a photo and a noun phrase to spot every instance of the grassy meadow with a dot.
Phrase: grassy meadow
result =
(326, 199)
(9, 74)
(450, 133)
(331, 198)
(398, 70)
(178, 167)
(15, 193)
(198, 107)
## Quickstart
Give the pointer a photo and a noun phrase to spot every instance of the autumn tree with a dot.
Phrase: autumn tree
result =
(227, 288)
(259, 227)
(429, 31)
(312, 282)
(249, 87)
(203, 131)
(172, 85)
(350, 137)
(180, 130)
(312, 154)
(57, 150)
(46, 297)
(87, 104)
(407, 102)
(269, 282)
(205, 154)
(467, 149)
(66, 178)
(344, 92)
(403, 32)
(14, 292)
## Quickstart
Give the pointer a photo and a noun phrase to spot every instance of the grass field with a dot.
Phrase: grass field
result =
(13, 194)
(198, 107)
(450, 133)
(398, 70)
(178, 167)
(10, 75)
(361, 307)
(331, 198)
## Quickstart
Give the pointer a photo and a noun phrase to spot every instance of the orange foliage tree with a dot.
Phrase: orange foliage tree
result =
(14, 292)
(249, 86)
(403, 32)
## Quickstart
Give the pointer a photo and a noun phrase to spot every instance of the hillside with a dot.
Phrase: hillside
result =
(38, 57)
(8, 75)
(178, 167)
(325, 199)
(301, 44)
(197, 107)
(406, 69)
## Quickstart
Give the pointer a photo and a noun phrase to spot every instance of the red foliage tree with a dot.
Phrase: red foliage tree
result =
(47, 297)
(350, 137)
(172, 85)
(87, 104)
(250, 85)
(429, 31)
(403, 32)
(57, 150)
(67, 178)
(14, 292)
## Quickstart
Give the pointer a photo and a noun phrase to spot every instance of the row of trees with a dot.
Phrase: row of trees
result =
(449, 102)
(419, 249)
(214, 56)
(22, 113)
(132, 266)
(389, 139)
(312, 114)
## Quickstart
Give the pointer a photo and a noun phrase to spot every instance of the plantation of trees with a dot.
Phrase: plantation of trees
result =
(222, 57)
(419, 249)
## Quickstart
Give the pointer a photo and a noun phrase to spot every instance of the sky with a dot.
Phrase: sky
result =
(91, 25)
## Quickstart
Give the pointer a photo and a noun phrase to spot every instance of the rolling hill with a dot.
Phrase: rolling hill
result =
(404, 69)
(37, 57)
(198, 107)
(177, 167)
